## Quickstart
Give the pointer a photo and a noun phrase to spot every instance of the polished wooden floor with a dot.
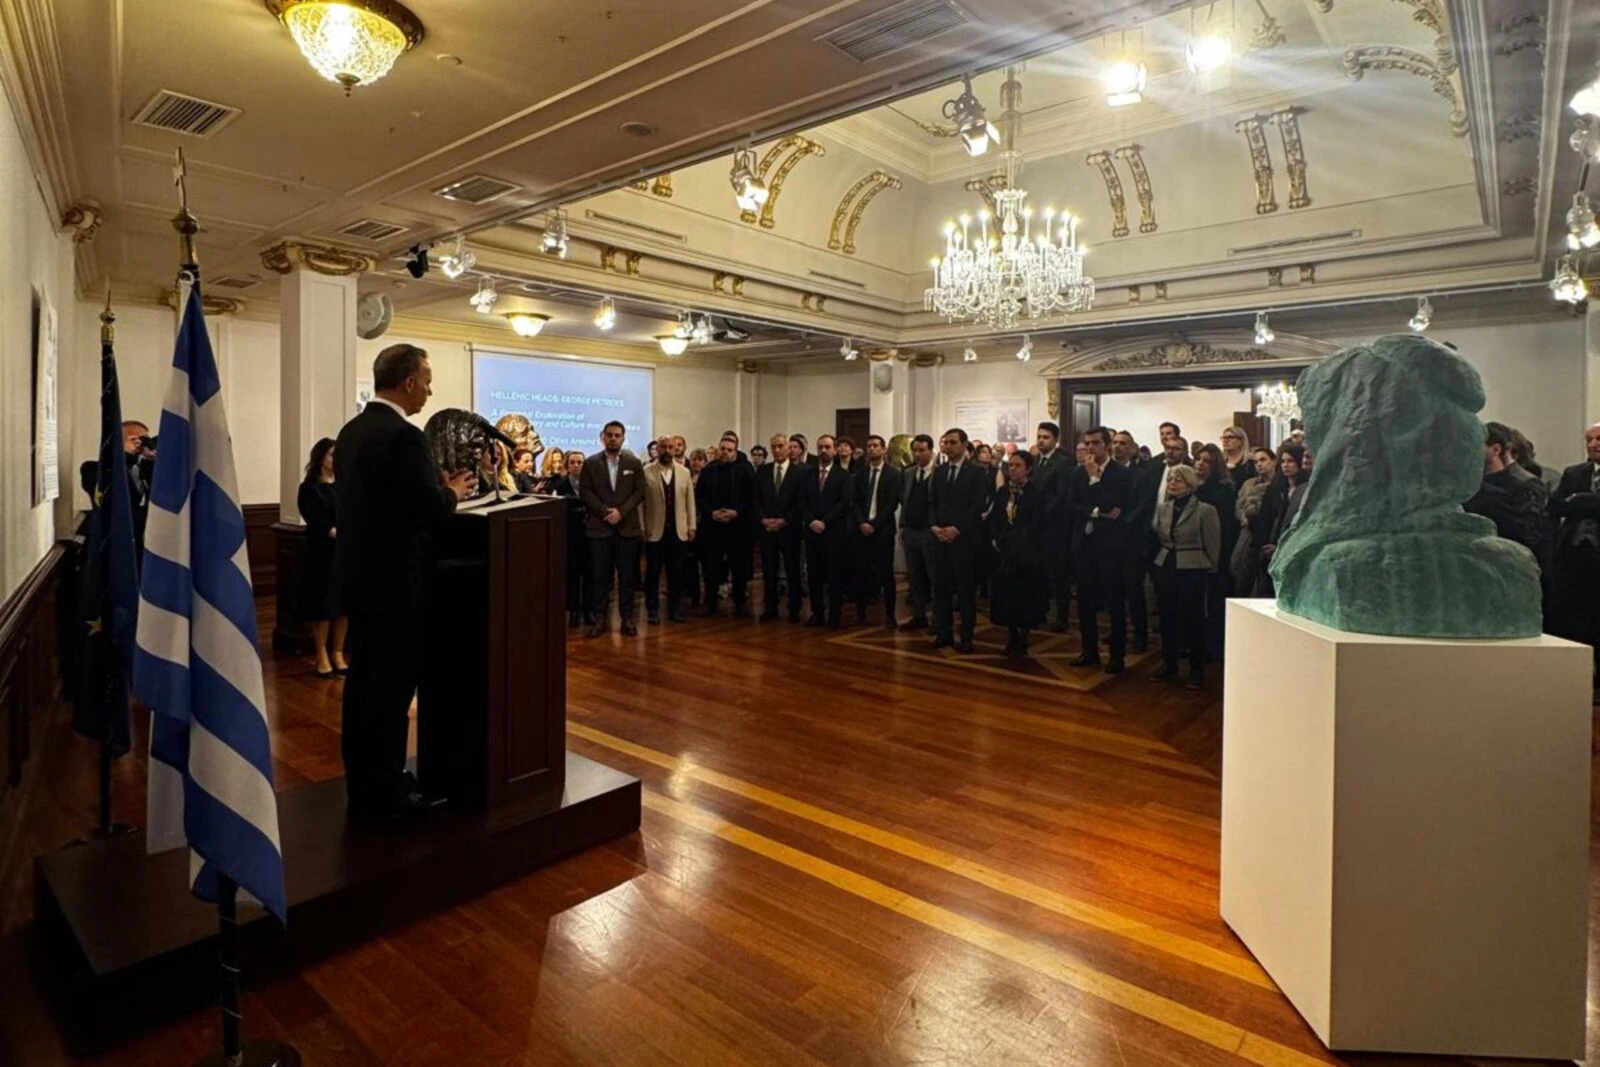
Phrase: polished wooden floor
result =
(849, 856)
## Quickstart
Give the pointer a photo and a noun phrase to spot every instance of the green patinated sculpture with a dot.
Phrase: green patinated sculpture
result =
(1381, 544)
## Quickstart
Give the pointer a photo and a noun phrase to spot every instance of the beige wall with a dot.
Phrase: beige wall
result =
(36, 259)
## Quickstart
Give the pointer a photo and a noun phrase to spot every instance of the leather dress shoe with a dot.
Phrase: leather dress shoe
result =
(964, 646)
(674, 617)
(1114, 665)
(1165, 672)
(940, 642)
(816, 620)
(918, 623)
(653, 618)
(629, 629)
(1085, 659)
(598, 629)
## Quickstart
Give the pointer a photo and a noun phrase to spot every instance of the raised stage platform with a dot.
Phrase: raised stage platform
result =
(131, 946)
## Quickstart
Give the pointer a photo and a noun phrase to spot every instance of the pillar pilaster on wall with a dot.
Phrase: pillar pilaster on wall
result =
(747, 406)
(1591, 363)
(317, 343)
(892, 392)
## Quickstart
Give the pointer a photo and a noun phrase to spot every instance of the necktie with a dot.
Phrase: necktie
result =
(1594, 479)
(777, 476)
(922, 475)
(872, 497)
(822, 480)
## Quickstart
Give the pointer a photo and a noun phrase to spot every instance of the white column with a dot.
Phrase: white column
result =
(747, 407)
(317, 329)
(1591, 363)
(893, 398)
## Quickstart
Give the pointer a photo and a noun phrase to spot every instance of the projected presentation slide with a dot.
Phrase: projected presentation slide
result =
(568, 401)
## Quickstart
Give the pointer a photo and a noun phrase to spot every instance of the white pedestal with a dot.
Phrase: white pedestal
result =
(1405, 832)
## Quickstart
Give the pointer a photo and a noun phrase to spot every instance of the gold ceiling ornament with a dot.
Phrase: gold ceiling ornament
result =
(211, 305)
(927, 359)
(885, 181)
(1268, 33)
(630, 260)
(661, 186)
(842, 212)
(1274, 277)
(1161, 290)
(1324, 6)
(286, 256)
(764, 169)
(986, 187)
(83, 219)
(351, 42)
(1294, 155)
(1134, 295)
(802, 147)
(1132, 156)
(1052, 403)
(1428, 12)
(1119, 204)
(933, 129)
(883, 355)
(1357, 61)
(749, 366)
(1260, 162)
(734, 283)
(1308, 273)
(812, 301)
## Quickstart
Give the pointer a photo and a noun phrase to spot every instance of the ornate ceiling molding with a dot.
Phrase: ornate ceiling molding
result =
(847, 216)
(661, 186)
(1101, 161)
(209, 304)
(33, 75)
(286, 256)
(986, 187)
(797, 148)
(1294, 155)
(83, 220)
(1520, 33)
(1260, 162)
(1154, 353)
(1357, 61)
(1132, 156)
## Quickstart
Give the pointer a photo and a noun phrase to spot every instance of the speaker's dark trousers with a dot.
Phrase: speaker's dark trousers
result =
(386, 649)
(1101, 584)
(955, 585)
(875, 567)
(919, 568)
(611, 555)
(663, 556)
(825, 569)
(783, 545)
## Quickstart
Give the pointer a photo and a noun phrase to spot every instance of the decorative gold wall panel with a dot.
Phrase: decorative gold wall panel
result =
(1132, 156)
(1119, 204)
(847, 216)
(1260, 162)
(1357, 61)
(1294, 155)
(885, 181)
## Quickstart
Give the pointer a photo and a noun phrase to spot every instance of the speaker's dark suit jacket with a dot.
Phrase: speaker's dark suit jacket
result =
(389, 493)
(830, 503)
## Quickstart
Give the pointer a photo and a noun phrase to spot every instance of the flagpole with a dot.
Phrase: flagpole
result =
(235, 1051)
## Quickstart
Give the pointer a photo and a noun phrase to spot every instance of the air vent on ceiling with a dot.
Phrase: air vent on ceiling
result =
(236, 281)
(190, 115)
(372, 230)
(1293, 242)
(888, 31)
(477, 189)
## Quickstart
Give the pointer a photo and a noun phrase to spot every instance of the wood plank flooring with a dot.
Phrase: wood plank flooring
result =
(849, 855)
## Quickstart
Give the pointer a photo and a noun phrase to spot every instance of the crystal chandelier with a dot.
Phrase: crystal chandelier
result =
(352, 42)
(1019, 269)
(1280, 403)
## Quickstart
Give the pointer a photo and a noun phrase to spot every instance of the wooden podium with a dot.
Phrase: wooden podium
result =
(492, 700)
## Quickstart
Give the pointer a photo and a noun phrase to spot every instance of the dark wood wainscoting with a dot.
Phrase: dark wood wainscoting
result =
(262, 545)
(30, 664)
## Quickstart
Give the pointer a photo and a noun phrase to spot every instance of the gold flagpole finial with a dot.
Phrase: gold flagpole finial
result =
(184, 222)
(108, 329)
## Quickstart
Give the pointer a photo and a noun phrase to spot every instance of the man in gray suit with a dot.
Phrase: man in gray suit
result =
(611, 486)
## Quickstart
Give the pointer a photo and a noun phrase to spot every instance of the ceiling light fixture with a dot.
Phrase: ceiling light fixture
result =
(969, 355)
(1568, 285)
(606, 317)
(351, 42)
(1280, 403)
(1123, 78)
(700, 331)
(996, 278)
(1424, 316)
(556, 238)
(1264, 334)
(848, 351)
(1209, 53)
(673, 346)
(1585, 139)
(1025, 353)
(456, 263)
(417, 261)
(1586, 101)
(749, 191)
(972, 122)
(483, 300)
(526, 324)
(1582, 232)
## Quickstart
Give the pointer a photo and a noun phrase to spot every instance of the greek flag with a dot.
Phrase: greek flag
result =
(196, 666)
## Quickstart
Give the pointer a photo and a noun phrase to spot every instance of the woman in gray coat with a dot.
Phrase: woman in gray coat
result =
(1190, 535)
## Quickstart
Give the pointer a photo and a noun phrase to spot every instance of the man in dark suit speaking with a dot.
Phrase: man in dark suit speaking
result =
(388, 492)
(611, 486)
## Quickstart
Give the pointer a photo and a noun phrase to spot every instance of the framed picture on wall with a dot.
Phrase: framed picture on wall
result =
(995, 422)
(46, 459)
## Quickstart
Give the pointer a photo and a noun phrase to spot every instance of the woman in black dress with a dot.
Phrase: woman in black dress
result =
(316, 502)
(1019, 595)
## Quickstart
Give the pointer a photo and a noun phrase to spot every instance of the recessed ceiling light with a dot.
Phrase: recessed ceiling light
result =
(638, 129)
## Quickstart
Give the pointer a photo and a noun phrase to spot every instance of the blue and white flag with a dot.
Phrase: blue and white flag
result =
(196, 666)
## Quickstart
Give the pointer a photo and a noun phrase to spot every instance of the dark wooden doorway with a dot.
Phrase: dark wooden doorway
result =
(854, 423)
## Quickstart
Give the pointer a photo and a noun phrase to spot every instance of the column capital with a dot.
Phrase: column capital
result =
(287, 256)
(211, 305)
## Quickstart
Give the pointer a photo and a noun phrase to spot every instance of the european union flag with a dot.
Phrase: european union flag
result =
(109, 596)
